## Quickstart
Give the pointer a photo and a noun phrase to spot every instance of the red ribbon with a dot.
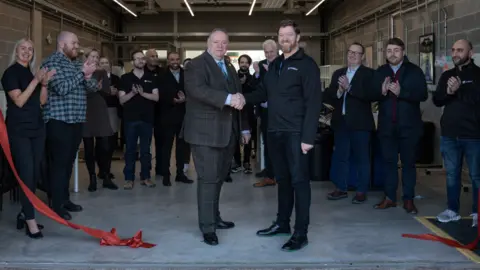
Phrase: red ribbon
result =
(447, 241)
(106, 238)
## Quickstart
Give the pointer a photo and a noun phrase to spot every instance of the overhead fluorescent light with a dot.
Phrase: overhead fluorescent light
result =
(315, 7)
(125, 7)
(251, 8)
(189, 8)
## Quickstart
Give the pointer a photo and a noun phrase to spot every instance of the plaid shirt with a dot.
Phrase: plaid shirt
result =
(67, 90)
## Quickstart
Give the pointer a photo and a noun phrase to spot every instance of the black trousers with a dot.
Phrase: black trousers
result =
(291, 169)
(157, 134)
(212, 165)
(63, 140)
(98, 149)
(28, 153)
(264, 131)
(168, 135)
(392, 145)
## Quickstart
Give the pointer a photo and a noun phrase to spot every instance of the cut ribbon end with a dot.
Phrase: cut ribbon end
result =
(112, 239)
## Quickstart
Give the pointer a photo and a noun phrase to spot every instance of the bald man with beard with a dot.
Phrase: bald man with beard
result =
(458, 92)
(152, 67)
(64, 115)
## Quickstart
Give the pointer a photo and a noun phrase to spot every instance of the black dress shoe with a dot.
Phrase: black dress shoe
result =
(166, 181)
(210, 239)
(296, 242)
(183, 179)
(64, 214)
(71, 207)
(225, 224)
(275, 229)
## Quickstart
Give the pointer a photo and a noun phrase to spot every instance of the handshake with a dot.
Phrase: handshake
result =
(237, 101)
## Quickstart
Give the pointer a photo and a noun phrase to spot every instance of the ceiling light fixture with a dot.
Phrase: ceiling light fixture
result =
(315, 7)
(189, 8)
(251, 8)
(125, 7)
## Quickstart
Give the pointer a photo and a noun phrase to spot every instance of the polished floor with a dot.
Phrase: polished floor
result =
(342, 235)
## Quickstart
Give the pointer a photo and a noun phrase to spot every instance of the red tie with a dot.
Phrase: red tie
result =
(394, 99)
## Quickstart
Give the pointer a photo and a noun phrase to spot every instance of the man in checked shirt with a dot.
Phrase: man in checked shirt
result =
(64, 113)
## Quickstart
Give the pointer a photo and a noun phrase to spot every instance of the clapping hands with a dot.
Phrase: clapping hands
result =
(137, 89)
(343, 83)
(43, 75)
(237, 101)
(393, 87)
(453, 84)
(88, 68)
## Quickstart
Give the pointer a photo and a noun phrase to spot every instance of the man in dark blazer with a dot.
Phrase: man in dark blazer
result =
(400, 86)
(270, 49)
(352, 121)
(172, 107)
(212, 126)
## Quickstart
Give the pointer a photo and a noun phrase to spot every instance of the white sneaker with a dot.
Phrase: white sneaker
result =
(448, 216)
(474, 220)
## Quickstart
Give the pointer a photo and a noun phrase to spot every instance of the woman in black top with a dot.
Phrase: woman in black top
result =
(25, 94)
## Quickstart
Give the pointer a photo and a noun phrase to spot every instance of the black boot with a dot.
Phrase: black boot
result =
(108, 183)
(93, 183)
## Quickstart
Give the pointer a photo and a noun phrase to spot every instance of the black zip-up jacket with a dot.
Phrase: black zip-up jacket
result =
(461, 114)
(294, 93)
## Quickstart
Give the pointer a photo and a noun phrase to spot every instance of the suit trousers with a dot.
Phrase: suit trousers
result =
(291, 169)
(212, 165)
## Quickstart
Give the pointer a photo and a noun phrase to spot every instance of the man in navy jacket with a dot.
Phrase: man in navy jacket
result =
(400, 86)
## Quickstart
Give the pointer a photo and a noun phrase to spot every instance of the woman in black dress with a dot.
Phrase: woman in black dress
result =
(25, 94)
(97, 130)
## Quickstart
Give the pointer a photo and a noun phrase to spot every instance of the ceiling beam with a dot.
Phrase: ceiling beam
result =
(206, 34)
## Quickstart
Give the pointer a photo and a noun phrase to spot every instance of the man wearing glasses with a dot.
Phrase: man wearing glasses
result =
(350, 93)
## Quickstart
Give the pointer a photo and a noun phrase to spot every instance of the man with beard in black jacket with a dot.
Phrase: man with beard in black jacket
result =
(400, 86)
(458, 91)
(293, 91)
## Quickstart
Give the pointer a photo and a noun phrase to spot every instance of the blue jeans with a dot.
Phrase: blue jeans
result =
(134, 131)
(356, 144)
(453, 150)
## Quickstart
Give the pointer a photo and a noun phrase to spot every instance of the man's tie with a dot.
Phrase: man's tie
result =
(224, 71)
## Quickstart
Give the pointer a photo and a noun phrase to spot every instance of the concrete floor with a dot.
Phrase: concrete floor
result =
(342, 235)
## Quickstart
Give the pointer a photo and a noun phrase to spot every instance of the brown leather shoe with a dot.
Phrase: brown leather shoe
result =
(409, 206)
(384, 204)
(265, 182)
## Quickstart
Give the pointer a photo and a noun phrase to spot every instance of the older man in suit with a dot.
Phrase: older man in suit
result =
(211, 126)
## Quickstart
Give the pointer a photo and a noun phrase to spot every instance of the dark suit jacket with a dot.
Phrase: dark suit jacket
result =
(413, 91)
(171, 113)
(208, 121)
(358, 105)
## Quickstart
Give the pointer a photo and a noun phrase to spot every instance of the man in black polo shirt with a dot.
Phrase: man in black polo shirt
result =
(138, 94)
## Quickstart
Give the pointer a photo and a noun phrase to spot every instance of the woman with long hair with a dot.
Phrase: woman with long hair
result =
(26, 93)
(97, 129)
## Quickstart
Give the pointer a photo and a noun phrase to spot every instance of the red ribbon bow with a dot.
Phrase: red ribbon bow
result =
(106, 238)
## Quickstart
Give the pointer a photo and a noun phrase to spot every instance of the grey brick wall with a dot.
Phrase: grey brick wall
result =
(16, 21)
(463, 21)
